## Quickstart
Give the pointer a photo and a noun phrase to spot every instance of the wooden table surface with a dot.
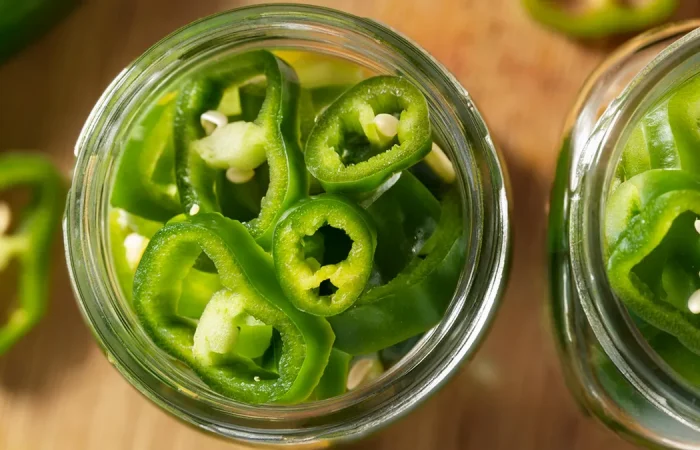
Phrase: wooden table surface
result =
(57, 391)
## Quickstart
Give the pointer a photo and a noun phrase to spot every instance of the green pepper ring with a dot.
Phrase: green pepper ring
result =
(380, 94)
(243, 267)
(349, 276)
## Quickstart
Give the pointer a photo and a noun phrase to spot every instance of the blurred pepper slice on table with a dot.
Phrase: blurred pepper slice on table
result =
(30, 242)
(22, 21)
(593, 19)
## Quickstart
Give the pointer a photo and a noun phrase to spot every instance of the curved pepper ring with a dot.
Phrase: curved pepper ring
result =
(301, 274)
(215, 348)
(271, 137)
(347, 149)
(653, 249)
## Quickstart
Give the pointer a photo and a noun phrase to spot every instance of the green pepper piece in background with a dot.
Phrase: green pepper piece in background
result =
(667, 137)
(334, 381)
(22, 21)
(406, 215)
(30, 243)
(145, 180)
(248, 273)
(416, 299)
(597, 19)
(683, 361)
(654, 250)
(348, 152)
(330, 286)
(683, 117)
(241, 145)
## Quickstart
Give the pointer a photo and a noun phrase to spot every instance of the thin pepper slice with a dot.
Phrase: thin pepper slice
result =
(654, 250)
(406, 215)
(129, 236)
(347, 151)
(271, 137)
(416, 299)
(145, 180)
(302, 276)
(248, 273)
(666, 137)
(683, 118)
(334, 381)
(596, 19)
(30, 244)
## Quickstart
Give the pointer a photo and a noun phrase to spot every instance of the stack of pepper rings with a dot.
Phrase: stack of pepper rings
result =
(274, 233)
(652, 225)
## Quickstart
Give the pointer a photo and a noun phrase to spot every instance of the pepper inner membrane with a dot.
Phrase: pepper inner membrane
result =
(228, 345)
(353, 145)
(678, 256)
(242, 201)
(328, 245)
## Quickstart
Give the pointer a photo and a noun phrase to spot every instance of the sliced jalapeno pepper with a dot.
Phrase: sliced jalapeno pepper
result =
(654, 250)
(255, 299)
(240, 145)
(596, 19)
(683, 117)
(145, 181)
(303, 277)
(129, 237)
(348, 151)
(30, 244)
(416, 299)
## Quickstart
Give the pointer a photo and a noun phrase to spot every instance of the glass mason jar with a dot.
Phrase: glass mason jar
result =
(614, 373)
(171, 385)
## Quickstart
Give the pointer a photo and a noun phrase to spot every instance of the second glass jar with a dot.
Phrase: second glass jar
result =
(611, 364)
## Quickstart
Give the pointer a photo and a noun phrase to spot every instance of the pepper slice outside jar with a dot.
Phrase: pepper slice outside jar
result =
(31, 243)
(596, 19)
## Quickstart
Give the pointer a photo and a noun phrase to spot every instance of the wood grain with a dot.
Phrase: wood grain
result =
(57, 391)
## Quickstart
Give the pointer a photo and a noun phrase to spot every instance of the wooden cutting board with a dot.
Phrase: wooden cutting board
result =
(57, 391)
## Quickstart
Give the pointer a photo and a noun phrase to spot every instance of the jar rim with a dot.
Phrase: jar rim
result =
(482, 177)
(611, 323)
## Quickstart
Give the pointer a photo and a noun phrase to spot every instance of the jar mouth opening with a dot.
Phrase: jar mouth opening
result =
(480, 178)
(612, 324)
